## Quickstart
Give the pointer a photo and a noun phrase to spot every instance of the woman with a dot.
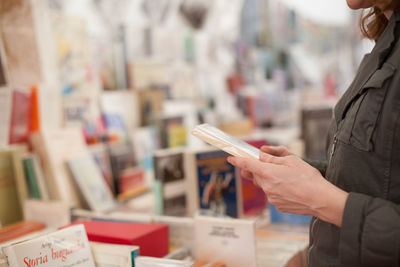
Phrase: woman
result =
(354, 196)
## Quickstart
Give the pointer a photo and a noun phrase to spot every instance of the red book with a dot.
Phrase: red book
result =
(152, 239)
(20, 124)
(20, 229)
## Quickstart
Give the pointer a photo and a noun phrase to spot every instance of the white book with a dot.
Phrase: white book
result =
(158, 262)
(113, 255)
(44, 192)
(123, 103)
(91, 183)
(5, 115)
(66, 247)
(55, 147)
(226, 142)
(52, 213)
(230, 241)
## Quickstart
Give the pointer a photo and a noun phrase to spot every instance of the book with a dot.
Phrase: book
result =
(106, 255)
(123, 103)
(151, 238)
(171, 181)
(115, 125)
(41, 181)
(52, 213)
(101, 156)
(91, 183)
(230, 241)
(10, 205)
(121, 158)
(145, 141)
(224, 141)
(213, 184)
(55, 147)
(18, 152)
(181, 230)
(172, 131)
(5, 115)
(3, 74)
(132, 182)
(20, 42)
(66, 247)
(31, 178)
(150, 104)
(20, 124)
(254, 200)
(157, 262)
(19, 229)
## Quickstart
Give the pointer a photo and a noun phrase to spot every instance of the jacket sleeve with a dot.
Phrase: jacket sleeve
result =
(319, 165)
(370, 232)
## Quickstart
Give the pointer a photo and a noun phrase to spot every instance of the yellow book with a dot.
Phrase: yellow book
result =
(10, 207)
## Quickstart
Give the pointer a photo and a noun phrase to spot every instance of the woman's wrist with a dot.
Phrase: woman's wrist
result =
(330, 204)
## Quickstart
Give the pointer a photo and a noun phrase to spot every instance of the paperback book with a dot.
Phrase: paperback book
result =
(66, 247)
(226, 142)
(212, 183)
(230, 241)
(170, 191)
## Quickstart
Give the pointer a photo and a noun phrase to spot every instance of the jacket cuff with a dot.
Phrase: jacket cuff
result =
(352, 227)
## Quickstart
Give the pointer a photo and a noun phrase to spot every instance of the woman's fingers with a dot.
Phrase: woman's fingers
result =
(246, 174)
(251, 165)
(264, 157)
(278, 151)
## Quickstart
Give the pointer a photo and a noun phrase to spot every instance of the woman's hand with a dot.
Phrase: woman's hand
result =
(294, 186)
(278, 151)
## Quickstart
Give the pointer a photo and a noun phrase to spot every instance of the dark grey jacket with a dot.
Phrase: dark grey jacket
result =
(364, 160)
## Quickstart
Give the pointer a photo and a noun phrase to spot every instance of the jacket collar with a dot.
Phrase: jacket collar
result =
(369, 65)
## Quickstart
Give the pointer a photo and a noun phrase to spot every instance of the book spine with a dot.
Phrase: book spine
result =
(31, 176)
(44, 193)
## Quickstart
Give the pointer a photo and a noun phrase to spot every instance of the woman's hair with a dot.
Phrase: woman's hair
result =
(374, 22)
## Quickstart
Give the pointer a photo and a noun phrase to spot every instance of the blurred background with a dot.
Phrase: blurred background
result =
(99, 98)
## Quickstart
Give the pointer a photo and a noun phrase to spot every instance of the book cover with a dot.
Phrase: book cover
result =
(19, 38)
(18, 152)
(181, 230)
(31, 178)
(123, 103)
(66, 247)
(145, 141)
(101, 156)
(254, 200)
(230, 241)
(132, 182)
(106, 255)
(214, 182)
(151, 238)
(91, 183)
(3, 78)
(20, 125)
(19, 229)
(10, 206)
(170, 174)
(172, 131)
(115, 126)
(41, 181)
(5, 115)
(150, 104)
(121, 159)
(55, 147)
(53, 213)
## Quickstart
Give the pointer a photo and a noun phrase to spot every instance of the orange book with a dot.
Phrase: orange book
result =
(20, 229)
(35, 123)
